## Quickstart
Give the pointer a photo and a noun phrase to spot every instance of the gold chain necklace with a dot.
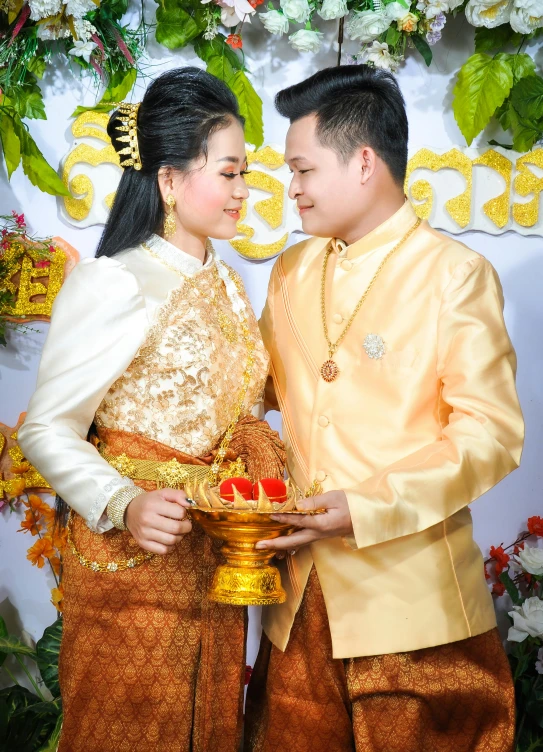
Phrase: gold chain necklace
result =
(329, 369)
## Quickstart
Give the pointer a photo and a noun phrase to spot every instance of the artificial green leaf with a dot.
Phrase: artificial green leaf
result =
(492, 142)
(521, 66)
(37, 66)
(174, 28)
(206, 49)
(11, 645)
(483, 84)
(28, 102)
(11, 146)
(120, 84)
(47, 651)
(510, 587)
(220, 67)
(100, 107)
(527, 98)
(30, 722)
(51, 745)
(392, 36)
(117, 8)
(496, 38)
(35, 167)
(423, 47)
(250, 106)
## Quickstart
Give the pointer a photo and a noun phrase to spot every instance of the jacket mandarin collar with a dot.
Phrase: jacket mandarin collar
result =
(180, 260)
(390, 231)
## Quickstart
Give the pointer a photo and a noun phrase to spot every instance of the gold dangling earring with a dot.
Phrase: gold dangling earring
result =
(169, 220)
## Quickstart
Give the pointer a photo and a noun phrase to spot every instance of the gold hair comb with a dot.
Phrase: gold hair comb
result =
(129, 120)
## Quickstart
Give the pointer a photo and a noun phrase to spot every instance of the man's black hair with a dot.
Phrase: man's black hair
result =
(355, 105)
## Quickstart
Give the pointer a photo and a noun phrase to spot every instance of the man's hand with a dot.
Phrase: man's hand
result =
(158, 519)
(335, 522)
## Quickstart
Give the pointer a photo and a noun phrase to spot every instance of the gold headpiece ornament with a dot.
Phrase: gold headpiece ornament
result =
(129, 120)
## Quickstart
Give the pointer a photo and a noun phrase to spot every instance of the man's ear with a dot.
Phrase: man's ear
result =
(368, 163)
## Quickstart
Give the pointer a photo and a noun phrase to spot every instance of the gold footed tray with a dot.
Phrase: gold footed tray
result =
(247, 578)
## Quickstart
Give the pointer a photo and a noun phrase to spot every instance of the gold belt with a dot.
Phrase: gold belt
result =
(171, 474)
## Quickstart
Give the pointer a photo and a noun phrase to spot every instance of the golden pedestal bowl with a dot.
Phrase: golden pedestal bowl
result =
(247, 578)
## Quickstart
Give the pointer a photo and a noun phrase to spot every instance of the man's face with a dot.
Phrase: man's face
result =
(327, 190)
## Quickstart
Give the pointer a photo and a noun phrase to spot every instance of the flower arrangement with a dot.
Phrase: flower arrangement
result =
(14, 244)
(32, 34)
(518, 570)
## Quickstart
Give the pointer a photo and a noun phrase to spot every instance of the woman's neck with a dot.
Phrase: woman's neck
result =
(192, 244)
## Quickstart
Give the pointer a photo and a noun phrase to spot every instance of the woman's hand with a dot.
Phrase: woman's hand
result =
(158, 519)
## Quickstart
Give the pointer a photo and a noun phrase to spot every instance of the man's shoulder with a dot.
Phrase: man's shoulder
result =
(448, 253)
(298, 253)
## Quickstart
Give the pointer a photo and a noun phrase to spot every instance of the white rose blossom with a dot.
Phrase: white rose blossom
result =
(367, 25)
(332, 9)
(306, 40)
(531, 559)
(44, 8)
(296, 10)
(377, 54)
(527, 620)
(526, 16)
(274, 22)
(489, 13)
(83, 49)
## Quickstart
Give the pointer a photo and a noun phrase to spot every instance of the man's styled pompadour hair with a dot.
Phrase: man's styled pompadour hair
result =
(355, 105)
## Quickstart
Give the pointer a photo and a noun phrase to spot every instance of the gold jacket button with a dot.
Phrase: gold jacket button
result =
(320, 476)
(346, 265)
(337, 318)
(323, 421)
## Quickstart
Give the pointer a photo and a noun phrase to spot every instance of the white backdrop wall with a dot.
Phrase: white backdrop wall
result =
(500, 514)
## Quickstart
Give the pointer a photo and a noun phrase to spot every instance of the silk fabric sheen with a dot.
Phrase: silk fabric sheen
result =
(412, 437)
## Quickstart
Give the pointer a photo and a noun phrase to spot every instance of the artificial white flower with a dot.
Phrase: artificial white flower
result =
(379, 56)
(234, 12)
(52, 31)
(83, 29)
(531, 559)
(332, 9)
(454, 4)
(44, 8)
(79, 8)
(367, 25)
(83, 49)
(306, 40)
(526, 16)
(408, 22)
(527, 620)
(489, 13)
(296, 10)
(539, 662)
(274, 22)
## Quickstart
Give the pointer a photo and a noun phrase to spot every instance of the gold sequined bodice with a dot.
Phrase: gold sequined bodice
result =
(181, 387)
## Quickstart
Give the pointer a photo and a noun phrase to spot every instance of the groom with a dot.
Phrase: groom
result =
(395, 377)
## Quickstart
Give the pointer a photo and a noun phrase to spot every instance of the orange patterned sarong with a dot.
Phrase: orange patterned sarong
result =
(451, 698)
(147, 663)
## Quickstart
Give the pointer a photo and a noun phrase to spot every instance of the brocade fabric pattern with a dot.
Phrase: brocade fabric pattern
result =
(450, 698)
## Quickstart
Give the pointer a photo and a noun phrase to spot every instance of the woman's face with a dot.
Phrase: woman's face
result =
(209, 198)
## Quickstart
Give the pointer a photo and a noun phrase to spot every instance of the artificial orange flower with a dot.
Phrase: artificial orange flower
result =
(235, 41)
(535, 525)
(500, 557)
(16, 487)
(21, 468)
(30, 523)
(41, 550)
(498, 588)
(57, 594)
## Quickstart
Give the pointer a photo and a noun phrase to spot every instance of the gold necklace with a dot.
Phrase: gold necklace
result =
(329, 369)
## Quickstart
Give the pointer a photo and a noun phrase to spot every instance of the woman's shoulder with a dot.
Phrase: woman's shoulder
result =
(100, 275)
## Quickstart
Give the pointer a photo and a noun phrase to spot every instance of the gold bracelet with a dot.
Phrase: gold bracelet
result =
(116, 507)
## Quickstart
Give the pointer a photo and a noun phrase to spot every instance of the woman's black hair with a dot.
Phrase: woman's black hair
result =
(355, 105)
(179, 112)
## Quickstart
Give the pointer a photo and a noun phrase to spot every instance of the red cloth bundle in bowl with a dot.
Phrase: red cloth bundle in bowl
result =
(275, 489)
(242, 485)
